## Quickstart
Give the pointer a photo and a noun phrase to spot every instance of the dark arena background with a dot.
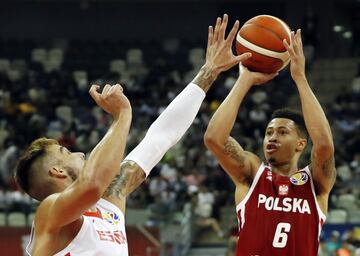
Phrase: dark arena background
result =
(51, 51)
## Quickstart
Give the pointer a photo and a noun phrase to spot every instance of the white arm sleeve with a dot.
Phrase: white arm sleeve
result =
(168, 128)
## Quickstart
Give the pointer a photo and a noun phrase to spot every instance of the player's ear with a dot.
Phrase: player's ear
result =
(57, 172)
(301, 144)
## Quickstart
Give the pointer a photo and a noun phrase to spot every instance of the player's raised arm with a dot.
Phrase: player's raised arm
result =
(174, 121)
(103, 163)
(219, 54)
(238, 163)
(322, 156)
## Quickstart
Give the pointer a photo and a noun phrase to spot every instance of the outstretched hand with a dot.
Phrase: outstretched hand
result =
(256, 78)
(219, 54)
(111, 99)
(297, 58)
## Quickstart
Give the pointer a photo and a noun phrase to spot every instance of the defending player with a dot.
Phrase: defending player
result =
(280, 207)
(83, 201)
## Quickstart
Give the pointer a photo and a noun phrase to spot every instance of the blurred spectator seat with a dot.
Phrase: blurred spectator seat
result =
(19, 64)
(346, 201)
(14, 75)
(56, 54)
(39, 55)
(51, 65)
(55, 60)
(4, 65)
(344, 172)
(134, 56)
(17, 219)
(354, 217)
(81, 78)
(118, 66)
(64, 113)
(136, 216)
(355, 85)
(196, 57)
(30, 218)
(337, 216)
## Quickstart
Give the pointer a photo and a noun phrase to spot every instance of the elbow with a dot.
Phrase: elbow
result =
(210, 141)
(325, 147)
(95, 193)
(93, 189)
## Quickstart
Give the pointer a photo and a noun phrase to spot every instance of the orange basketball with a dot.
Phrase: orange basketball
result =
(263, 36)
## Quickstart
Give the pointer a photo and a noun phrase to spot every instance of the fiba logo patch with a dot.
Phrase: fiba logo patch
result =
(299, 178)
(111, 217)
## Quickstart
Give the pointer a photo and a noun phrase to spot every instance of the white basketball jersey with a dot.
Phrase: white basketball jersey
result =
(101, 234)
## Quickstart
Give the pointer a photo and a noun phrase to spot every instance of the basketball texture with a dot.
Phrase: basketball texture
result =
(263, 36)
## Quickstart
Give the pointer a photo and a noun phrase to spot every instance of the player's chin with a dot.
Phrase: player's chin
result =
(272, 160)
(268, 155)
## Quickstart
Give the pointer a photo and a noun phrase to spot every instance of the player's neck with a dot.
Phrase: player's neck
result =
(285, 169)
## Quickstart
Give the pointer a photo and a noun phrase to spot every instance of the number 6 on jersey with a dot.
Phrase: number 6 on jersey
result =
(281, 236)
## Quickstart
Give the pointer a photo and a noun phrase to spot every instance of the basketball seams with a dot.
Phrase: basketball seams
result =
(282, 23)
(265, 28)
(285, 26)
(274, 54)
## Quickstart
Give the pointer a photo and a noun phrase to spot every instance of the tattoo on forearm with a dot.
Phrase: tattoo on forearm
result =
(128, 179)
(232, 149)
(205, 78)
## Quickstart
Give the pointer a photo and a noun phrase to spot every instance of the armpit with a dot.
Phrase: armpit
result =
(327, 168)
(324, 174)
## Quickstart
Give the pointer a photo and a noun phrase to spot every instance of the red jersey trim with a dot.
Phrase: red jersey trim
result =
(96, 214)
(240, 208)
(321, 214)
(252, 187)
(29, 248)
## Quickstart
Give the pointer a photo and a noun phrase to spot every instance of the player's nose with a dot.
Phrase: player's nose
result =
(82, 155)
(273, 138)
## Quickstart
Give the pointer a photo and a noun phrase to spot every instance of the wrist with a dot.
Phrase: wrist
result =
(299, 78)
(124, 114)
(245, 81)
(206, 77)
(210, 68)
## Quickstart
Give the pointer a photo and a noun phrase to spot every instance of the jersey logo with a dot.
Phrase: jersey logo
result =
(269, 175)
(299, 178)
(111, 217)
(283, 190)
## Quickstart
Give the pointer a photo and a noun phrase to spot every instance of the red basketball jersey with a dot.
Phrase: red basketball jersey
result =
(279, 216)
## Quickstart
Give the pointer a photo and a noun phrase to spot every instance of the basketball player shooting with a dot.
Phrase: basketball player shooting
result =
(83, 201)
(280, 208)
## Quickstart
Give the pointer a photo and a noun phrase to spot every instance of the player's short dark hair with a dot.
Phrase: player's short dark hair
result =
(36, 150)
(295, 116)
